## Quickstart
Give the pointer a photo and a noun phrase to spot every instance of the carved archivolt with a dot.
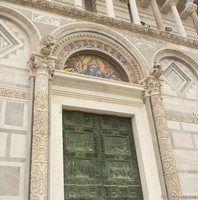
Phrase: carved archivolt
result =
(120, 54)
(111, 37)
(24, 22)
(162, 53)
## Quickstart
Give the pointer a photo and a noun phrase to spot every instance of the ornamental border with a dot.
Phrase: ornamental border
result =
(87, 35)
(102, 19)
(14, 93)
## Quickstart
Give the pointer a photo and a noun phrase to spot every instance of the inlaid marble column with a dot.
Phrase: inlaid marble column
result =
(172, 4)
(41, 66)
(191, 8)
(110, 8)
(78, 4)
(134, 11)
(157, 15)
(153, 90)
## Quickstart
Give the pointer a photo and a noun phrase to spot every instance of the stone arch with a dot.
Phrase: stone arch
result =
(73, 31)
(22, 21)
(178, 55)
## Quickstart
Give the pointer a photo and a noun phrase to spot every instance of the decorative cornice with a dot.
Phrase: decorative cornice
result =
(14, 93)
(97, 18)
(80, 81)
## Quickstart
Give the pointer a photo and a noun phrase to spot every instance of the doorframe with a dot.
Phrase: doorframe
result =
(78, 92)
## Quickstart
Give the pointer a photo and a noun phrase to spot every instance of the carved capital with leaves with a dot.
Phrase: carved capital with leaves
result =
(41, 64)
(152, 86)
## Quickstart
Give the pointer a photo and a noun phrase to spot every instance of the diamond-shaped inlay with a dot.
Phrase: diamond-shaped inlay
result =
(3, 43)
(176, 78)
(8, 41)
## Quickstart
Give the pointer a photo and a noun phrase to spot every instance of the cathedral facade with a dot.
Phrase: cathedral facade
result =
(98, 99)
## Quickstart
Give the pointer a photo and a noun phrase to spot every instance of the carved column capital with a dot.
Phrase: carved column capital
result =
(172, 2)
(39, 63)
(153, 82)
(152, 86)
(190, 7)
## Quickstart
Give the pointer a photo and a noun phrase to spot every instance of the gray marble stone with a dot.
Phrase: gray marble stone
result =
(10, 179)
(14, 113)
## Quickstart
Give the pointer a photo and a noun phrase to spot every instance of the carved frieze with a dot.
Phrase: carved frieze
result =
(71, 11)
(14, 93)
(182, 118)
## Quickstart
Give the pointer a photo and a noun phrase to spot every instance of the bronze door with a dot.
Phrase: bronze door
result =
(99, 158)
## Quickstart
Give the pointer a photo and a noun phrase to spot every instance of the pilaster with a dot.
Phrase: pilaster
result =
(153, 84)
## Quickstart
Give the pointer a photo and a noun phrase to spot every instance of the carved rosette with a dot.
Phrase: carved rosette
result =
(42, 67)
(172, 2)
(153, 90)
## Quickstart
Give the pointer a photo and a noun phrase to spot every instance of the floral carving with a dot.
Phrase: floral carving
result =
(67, 10)
(14, 93)
(169, 167)
(42, 67)
(153, 90)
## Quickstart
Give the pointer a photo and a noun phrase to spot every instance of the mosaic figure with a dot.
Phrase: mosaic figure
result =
(93, 65)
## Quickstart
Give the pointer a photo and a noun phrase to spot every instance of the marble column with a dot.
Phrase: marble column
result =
(157, 15)
(41, 66)
(78, 4)
(191, 8)
(172, 4)
(134, 11)
(110, 8)
(153, 91)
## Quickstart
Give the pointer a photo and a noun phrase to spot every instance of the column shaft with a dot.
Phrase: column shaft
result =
(157, 15)
(169, 168)
(178, 21)
(78, 4)
(39, 171)
(134, 12)
(110, 8)
(195, 20)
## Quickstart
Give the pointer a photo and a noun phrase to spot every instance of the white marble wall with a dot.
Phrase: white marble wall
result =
(14, 89)
(181, 105)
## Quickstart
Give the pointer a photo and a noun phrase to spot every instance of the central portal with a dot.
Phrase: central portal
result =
(99, 158)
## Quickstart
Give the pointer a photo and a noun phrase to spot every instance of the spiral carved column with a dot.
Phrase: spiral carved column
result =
(153, 90)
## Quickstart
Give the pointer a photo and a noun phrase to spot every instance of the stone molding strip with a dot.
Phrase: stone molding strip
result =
(102, 19)
(14, 93)
(4, 10)
(182, 118)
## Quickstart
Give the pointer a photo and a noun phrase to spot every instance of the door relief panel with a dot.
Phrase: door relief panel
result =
(99, 158)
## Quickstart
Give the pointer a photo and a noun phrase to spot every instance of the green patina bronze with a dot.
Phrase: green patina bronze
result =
(99, 158)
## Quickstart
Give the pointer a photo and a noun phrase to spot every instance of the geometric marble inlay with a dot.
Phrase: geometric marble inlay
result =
(176, 78)
(8, 41)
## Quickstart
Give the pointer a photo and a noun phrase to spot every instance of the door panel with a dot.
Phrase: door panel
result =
(99, 158)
